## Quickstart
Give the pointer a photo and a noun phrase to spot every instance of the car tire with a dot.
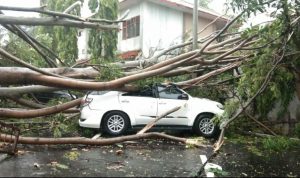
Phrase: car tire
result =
(205, 127)
(115, 123)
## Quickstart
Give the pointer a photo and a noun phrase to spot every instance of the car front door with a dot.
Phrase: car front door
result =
(143, 105)
(169, 98)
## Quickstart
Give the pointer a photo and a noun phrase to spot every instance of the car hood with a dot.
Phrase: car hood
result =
(205, 100)
(208, 105)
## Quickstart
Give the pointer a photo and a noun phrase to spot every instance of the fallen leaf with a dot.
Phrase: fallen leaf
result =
(36, 165)
(119, 152)
(62, 166)
(21, 152)
(120, 145)
(115, 167)
(53, 163)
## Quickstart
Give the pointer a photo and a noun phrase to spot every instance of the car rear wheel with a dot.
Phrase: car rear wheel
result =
(115, 123)
(204, 126)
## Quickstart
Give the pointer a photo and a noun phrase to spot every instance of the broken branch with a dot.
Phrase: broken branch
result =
(153, 122)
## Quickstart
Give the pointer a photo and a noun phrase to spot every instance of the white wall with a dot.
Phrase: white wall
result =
(131, 43)
(162, 26)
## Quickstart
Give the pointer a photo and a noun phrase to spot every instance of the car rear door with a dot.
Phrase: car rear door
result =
(169, 99)
(142, 104)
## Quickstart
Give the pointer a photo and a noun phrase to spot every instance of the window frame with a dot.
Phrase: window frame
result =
(131, 28)
(140, 92)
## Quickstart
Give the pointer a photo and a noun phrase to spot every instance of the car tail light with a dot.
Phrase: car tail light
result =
(86, 101)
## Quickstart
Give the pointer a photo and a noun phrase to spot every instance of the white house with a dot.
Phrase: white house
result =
(153, 25)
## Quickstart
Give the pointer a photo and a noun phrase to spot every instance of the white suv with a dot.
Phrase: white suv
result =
(115, 112)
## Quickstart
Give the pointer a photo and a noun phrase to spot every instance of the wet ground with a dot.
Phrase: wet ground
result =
(146, 158)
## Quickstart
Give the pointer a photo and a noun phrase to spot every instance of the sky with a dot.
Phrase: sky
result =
(20, 3)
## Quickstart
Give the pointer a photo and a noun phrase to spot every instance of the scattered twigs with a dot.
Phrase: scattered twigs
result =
(220, 33)
(197, 80)
(259, 123)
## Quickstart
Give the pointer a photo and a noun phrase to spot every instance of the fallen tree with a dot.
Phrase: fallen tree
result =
(9, 113)
(260, 52)
(100, 142)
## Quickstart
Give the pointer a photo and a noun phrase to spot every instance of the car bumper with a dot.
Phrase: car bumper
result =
(90, 118)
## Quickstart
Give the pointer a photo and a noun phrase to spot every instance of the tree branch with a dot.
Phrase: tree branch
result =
(153, 122)
(9, 113)
(100, 142)
(45, 21)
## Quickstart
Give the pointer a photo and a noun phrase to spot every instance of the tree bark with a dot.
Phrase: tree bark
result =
(201, 78)
(87, 141)
(34, 105)
(9, 113)
(16, 91)
(80, 73)
(46, 21)
(153, 122)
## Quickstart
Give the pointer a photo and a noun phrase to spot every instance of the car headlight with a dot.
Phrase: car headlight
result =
(219, 105)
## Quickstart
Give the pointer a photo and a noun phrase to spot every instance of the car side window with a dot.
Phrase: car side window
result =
(147, 92)
(169, 92)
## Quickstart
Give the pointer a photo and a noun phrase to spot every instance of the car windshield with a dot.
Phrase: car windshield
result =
(146, 92)
(169, 92)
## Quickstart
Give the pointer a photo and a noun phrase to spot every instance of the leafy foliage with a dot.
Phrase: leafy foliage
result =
(297, 130)
(103, 43)
(64, 39)
(278, 144)
(109, 72)
(204, 3)
(270, 47)
(19, 48)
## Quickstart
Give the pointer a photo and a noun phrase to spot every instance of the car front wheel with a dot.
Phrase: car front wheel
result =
(204, 126)
(115, 123)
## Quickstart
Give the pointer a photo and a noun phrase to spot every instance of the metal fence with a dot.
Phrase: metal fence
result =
(9, 136)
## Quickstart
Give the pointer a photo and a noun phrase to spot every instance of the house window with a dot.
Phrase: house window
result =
(131, 28)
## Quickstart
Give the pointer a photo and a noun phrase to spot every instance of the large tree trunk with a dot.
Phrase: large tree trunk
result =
(9, 113)
(80, 73)
(46, 21)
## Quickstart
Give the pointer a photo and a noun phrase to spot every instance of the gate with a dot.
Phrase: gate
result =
(9, 136)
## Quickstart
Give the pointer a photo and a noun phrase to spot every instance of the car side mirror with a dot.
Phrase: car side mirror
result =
(183, 96)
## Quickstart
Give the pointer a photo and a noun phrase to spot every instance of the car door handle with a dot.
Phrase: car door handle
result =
(162, 103)
(125, 101)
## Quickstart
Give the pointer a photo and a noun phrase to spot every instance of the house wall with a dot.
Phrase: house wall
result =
(161, 27)
(131, 43)
(202, 22)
